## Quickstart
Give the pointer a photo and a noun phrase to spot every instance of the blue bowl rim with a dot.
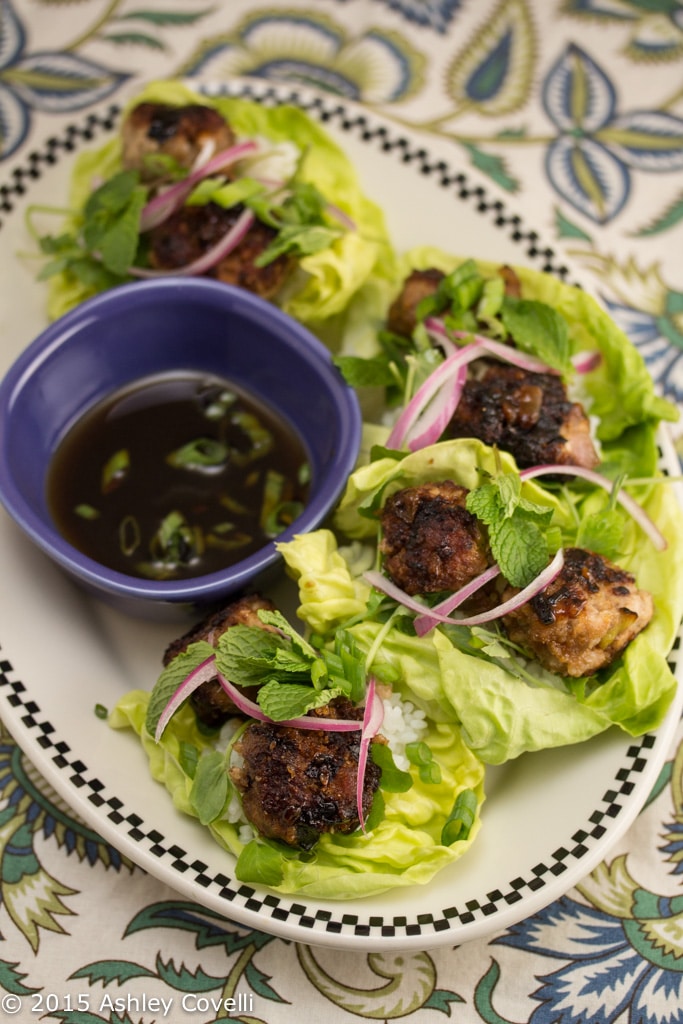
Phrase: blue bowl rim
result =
(198, 588)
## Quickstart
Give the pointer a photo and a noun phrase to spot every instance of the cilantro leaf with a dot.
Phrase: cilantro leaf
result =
(111, 224)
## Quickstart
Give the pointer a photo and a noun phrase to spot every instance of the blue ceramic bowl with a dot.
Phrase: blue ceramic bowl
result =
(160, 326)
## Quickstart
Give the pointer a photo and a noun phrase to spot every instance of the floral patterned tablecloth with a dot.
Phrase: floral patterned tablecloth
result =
(572, 110)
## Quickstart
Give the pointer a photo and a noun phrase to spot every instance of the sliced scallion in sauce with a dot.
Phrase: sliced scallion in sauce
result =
(180, 475)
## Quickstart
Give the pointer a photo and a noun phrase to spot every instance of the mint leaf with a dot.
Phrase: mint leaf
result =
(278, 621)
(509, 491)
(210, 787)
(486, 503)
(248, 655)
(520, 548)
(298, 240)
(282, 701)
(171, 677)
(300, 222)
(539, 330)
(516, 527)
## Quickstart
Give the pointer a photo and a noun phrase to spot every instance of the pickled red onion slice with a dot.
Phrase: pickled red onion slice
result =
(372, 722)
(429, 617)
(428, 412)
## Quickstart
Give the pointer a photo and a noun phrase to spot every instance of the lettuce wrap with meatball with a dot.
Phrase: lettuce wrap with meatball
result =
(425, 812)
(300, 186)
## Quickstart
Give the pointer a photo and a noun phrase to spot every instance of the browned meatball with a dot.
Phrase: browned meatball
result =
(526, 414)
(419, 285)
(582, 620)
(190, 232)
(178, 132)
(297, 784)
(211, 703)
(430, 542)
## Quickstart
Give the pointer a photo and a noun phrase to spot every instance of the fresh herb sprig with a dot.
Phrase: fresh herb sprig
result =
(517, 527)
(466, 300)
(292, 676)
(106, 241)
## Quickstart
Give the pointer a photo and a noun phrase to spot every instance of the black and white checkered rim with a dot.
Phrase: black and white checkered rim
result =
(275, 912)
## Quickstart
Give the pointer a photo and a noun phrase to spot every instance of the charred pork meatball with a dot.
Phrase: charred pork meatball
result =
(419, 285)
(190, 232)
(211, 703)
(297, 784)
(526, 414)
(582, 620)
(182, 133)
(430, 542)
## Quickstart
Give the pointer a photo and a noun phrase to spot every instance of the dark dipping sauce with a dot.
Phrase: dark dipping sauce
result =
(176, 476)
